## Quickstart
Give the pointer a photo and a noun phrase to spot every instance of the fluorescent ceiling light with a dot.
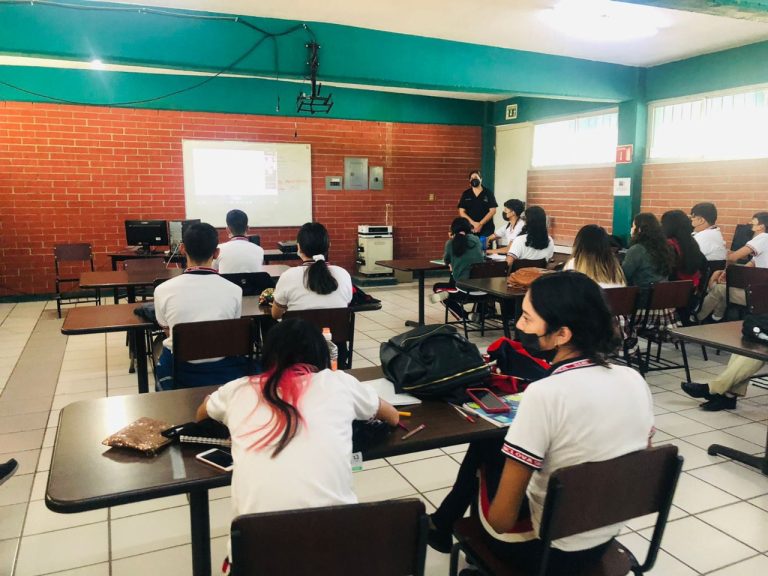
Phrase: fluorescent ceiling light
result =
(603, 20)
(97, 64)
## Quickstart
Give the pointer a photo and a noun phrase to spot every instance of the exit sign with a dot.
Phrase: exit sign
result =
(511, 112)
(624, 154)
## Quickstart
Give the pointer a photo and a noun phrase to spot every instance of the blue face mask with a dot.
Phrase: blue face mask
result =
(532, 344)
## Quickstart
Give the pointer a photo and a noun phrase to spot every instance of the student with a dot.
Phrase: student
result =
(534, 243)
(462, 250)
(706, 233)
(199, 294)
(688, 261)
(586, 410)
(315, 284)
(513, 209)
(291, 427)
(714, 302)
(238, 254)
(722, 392)
(593, 256)
(649, 256)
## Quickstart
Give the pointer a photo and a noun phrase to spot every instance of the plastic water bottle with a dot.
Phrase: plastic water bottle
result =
(483, 243)
(333, 350)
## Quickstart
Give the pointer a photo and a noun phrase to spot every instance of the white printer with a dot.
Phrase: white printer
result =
(374, 242)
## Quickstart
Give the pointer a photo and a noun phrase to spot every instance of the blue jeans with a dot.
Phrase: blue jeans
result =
(201, 374)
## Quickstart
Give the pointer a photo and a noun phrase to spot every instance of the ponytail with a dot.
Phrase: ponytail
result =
(314, 243)
(460, 227)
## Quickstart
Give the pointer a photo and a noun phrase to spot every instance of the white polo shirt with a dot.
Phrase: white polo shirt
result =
(196, 297)
(506, 233)
(759, 247)
(314, 469)
(239, 255)
(711, 243)
(295, 295)
(519, 250)
(580, 413)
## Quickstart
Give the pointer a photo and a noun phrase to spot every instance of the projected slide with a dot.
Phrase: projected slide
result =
(271, 182)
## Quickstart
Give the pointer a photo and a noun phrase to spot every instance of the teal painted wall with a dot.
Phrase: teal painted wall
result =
(533, 109)
(231, 95)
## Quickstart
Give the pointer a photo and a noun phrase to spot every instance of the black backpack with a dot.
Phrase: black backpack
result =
(755, 328)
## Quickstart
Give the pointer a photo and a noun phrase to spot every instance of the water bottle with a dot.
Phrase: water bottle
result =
(483, 243)
(333, 350)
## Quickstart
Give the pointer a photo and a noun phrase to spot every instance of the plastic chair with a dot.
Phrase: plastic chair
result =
(76, 258)
(341, 321)
(586, 497)
(377, 539)
(252, 283)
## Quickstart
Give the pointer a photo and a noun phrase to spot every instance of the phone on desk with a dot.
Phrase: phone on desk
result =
(488, 401)
(218, 458)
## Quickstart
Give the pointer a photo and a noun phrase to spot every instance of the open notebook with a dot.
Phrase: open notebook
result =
(386, 391)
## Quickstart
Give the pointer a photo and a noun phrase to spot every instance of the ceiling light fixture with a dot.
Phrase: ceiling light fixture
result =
(604, 20)
(97, 64)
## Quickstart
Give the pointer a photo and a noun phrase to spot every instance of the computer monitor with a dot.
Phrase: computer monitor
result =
(176, 230)
(146, 233)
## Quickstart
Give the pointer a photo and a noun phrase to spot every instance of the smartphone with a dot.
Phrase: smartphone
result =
(217, 457)
(488, 401)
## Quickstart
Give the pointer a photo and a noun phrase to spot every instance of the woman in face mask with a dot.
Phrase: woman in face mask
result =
(478, 205)
(511, 229)
(585, 410)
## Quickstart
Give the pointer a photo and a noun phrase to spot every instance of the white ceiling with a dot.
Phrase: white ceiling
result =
(505, 23)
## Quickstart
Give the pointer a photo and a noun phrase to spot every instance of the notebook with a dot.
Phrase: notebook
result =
(500, 420)
(386, 391)
(206, 431)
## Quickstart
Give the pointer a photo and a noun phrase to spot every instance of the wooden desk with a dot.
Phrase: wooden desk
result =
(85, 475)
(128, 279)
(275, 255)
(497, 288)
(419, 266)
(123, 255)
(727, 336)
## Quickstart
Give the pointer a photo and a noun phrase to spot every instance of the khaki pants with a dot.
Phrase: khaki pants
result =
(714, 301)
(735, 378)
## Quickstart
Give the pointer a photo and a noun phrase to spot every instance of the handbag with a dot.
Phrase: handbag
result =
(755, 328)
(521, 279)
(432, 361)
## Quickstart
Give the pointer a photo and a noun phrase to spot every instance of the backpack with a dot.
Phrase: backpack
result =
(755, 328)
(521, 279)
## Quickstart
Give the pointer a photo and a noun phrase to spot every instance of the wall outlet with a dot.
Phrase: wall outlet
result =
(431, 197)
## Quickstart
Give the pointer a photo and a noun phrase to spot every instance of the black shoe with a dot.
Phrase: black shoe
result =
(719, 402)
(695, 390)
(440, 540)
(7, 469)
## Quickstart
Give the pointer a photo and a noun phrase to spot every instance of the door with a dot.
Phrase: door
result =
(514, 146)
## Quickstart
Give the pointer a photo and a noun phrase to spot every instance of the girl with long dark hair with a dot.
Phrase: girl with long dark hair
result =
(688, 261)
(291, 426)
(315, 284)
(585, 410)
(649, 257)
(534, 243)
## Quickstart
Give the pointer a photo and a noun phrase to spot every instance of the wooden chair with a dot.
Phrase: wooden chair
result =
(757, 298)
(152, 264)
(211, 339)
(377, 539)
(69, 261)
(586, 497)
(665, 299)
(252, 283)
(741, 277)
(622, 302)
(341, 321)
(519, 263)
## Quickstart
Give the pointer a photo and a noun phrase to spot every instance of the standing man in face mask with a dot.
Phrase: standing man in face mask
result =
(478, 205)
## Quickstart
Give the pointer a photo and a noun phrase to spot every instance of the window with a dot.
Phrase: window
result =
(715, 127)
(581, 140)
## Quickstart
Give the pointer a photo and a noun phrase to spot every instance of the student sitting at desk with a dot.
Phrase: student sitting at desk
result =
(512, 214)
(705, 231)
(239, 254)
(534, 243)
(585, 410)
(197, 295)
(315, 284)
(291, 427)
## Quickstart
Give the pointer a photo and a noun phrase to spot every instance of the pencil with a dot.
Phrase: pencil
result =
(463, 414)
(419, 428)
(404, 413)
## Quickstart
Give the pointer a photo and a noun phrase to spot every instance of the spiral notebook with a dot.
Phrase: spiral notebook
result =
(206, 431)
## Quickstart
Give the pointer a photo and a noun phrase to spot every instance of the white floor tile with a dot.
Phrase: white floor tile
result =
(40, 519)
(153, 505)
(665, 565)
(430, 474)
(743, 521)
(725, 439)
(722, 419)
(148, 532)
(679, 426)
(423, 455)
(752, 432)
(734, 479)
(756, 566)
(175, 561)
(63, 550)
(694, 495)
(380, 484)
(693, 456)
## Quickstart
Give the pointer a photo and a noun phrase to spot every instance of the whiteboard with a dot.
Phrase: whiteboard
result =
(270, 182)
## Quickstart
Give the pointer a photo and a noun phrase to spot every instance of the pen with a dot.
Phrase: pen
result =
(463, 414)
(419, 428)
(404, 413)
(403, 426)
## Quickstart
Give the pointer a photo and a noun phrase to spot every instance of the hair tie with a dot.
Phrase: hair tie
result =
(462, 233)
(318, 258)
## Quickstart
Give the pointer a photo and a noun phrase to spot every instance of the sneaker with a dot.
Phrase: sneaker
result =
(719, 402)
(439, 540)
(695, 390)
(438, 297)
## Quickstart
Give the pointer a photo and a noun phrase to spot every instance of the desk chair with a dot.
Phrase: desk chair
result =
(341, 321)
(622, 303)
(377, 539)
(473, 320)
(521, 263)
(75, 258)
(211, 339)
(741, 277)
(757, 303)
(586, 497)
(252, 283)
(151, 264)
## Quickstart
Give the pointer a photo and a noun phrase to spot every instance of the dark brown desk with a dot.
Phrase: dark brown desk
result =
(128, 279)
(419, 266)
(275, 255)
(508, 297)
(727, 336)
(123, 255)
(85, 475)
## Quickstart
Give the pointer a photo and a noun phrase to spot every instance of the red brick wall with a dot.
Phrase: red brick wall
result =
(74, 173)
(573, 197)
(738, 188)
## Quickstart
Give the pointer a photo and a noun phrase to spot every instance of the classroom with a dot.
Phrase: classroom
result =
(354, 114)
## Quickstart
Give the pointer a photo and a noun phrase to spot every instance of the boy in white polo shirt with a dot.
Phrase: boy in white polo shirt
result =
(706, 233)
(239, 254)
(198, 295)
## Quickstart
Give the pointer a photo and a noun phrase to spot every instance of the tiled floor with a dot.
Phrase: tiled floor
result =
(719, 524)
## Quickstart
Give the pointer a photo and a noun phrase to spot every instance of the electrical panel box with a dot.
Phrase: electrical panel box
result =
(376, 178)
(334, 182)
(356, 173)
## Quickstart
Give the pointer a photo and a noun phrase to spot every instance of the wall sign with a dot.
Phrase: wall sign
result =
(511, 112)
(622, 186)
(624, 154)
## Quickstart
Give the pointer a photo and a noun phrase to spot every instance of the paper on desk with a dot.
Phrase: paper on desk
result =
(497, 257)
(386, 391)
